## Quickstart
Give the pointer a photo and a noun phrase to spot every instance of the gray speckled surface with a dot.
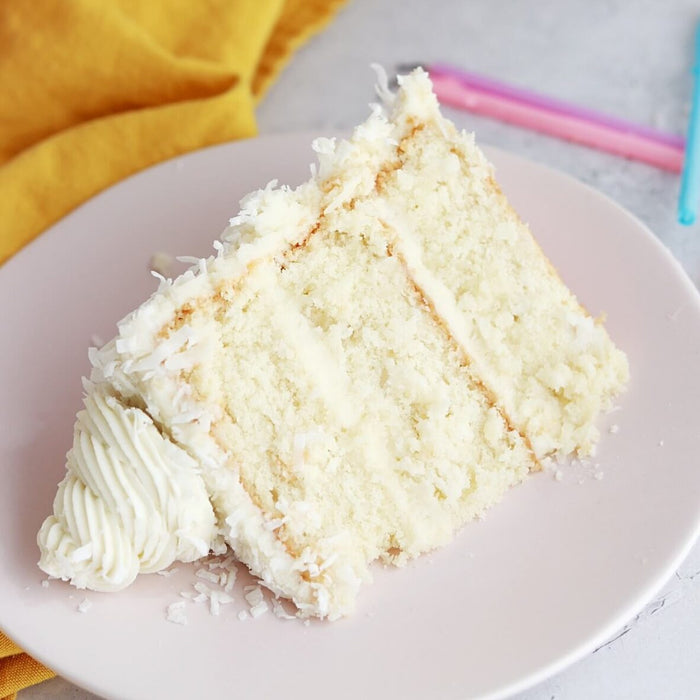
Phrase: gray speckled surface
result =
(629, 58)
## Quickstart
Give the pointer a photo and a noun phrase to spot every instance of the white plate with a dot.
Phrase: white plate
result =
(548, 575)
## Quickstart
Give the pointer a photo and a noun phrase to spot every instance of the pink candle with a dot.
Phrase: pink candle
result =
(537, 113)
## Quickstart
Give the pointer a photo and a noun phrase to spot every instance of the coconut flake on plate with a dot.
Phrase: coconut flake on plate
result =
(175, 613)
(280, 612)
(207, 575)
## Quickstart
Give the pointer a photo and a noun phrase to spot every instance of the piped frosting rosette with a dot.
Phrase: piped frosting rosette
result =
(131, 501)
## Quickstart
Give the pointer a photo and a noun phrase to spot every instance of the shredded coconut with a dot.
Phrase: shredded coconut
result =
(84, 605)
(207, 575)
(216, 599)
(82, 553)
(188, 259)
(176, 613)
(260, 609)
(253, 594)
(161, 263)
(214, 605)
(255, 598)
(279, 611)
(384, 92)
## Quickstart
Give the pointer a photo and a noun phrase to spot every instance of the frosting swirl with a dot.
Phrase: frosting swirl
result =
(131, 502)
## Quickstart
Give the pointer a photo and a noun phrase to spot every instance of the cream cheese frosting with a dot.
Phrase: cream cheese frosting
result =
(131, 502)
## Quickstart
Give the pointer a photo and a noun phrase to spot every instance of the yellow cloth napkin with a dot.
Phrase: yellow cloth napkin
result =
(18, 670)
(95, 90)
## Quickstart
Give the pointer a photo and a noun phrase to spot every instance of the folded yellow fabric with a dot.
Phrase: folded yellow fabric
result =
(95, 90)
(18, 670)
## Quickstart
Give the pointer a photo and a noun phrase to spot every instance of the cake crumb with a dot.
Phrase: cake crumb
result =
(84, 605)
(559, 475)
(598, 475)
(614, 428)
(176, 613)
(45, 583)
(167, 572)
(243, 615)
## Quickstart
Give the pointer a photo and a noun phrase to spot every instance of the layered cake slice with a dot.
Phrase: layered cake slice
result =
(368, 362)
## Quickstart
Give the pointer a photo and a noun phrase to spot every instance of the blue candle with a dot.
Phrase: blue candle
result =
(690, 182)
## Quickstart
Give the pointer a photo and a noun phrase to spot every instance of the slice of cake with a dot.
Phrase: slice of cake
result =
(367, 363)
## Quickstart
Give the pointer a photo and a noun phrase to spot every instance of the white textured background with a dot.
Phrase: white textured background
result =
(629, 58)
